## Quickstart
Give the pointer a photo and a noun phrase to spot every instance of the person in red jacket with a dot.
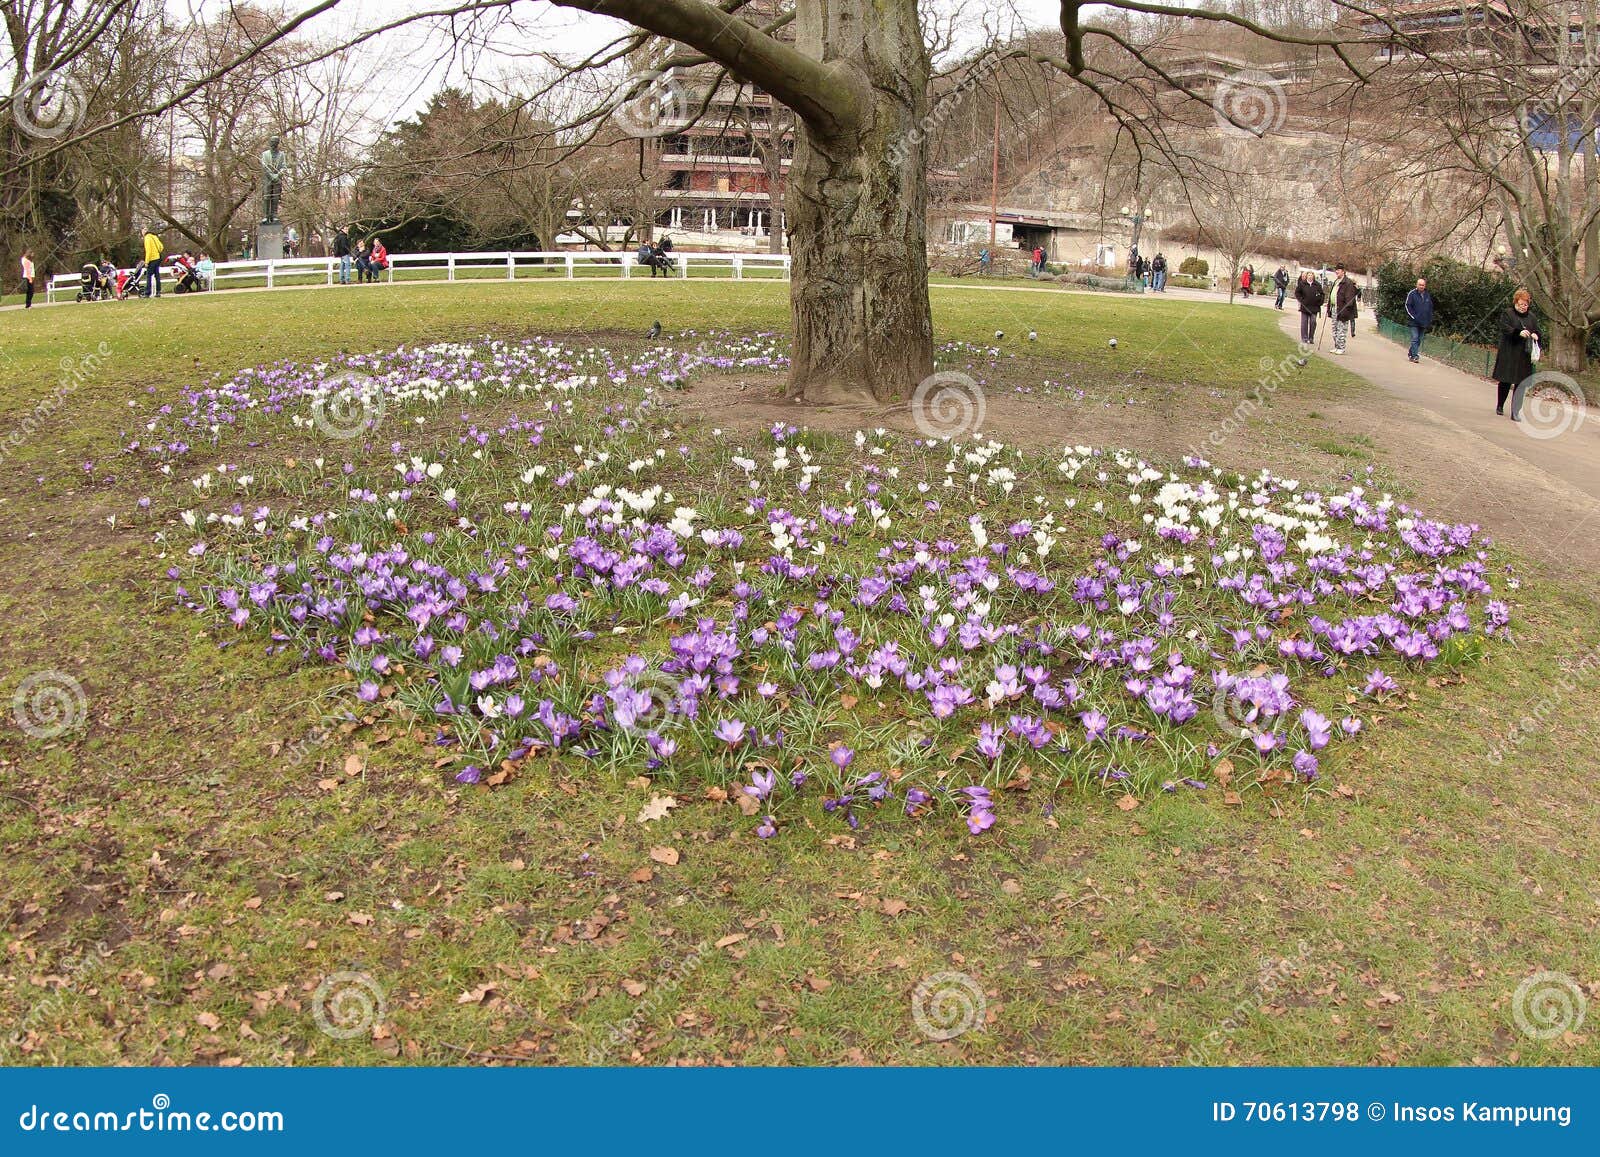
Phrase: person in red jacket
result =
(1244, 280)
(377, 259)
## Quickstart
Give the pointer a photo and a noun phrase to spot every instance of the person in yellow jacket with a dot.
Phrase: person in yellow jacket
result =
(152, 263)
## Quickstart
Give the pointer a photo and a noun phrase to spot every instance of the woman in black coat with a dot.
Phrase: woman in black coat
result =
(1513, 361)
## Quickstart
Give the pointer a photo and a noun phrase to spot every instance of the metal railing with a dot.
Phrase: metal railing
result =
(1471, 359)
(530, 265)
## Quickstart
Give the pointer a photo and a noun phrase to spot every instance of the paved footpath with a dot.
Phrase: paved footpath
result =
(1535, 483)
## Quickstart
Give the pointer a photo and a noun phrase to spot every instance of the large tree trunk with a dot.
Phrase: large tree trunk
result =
(857, 200)
(1567, 348)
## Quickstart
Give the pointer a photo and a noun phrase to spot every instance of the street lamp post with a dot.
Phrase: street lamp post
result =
(1135, 215)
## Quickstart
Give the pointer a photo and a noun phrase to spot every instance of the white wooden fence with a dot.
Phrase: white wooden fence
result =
(299, 272)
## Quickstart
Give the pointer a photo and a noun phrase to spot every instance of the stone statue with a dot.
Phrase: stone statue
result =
(274, 166)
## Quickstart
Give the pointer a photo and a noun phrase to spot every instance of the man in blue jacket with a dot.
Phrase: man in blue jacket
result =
(1419, 315)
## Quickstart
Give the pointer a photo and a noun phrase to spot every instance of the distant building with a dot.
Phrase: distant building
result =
(717, 167)
(724, 150)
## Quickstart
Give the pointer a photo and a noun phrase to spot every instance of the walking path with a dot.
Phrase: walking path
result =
(1535, 483)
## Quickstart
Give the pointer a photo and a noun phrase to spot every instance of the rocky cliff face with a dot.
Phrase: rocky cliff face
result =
(1314, 187)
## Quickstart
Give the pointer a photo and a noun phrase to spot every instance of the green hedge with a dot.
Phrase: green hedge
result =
(1194, 267)
(1467, 300)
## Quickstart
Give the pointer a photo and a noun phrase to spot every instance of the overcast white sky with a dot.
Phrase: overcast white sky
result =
(417, 63)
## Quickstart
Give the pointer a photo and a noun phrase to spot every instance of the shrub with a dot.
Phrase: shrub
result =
(1194, 267)
(1467, 300)
(1186, 282)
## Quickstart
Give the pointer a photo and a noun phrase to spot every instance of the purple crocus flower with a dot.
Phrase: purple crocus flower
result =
(1306, 764)
(761, 784)
(731, 731)
(768, 828)
(472, 773)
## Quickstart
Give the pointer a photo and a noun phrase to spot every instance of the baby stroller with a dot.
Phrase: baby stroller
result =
(187, 281)
(94, 285)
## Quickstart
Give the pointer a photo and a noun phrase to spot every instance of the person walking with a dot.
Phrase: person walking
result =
(27, 278)
(1419, 316)
(1280, 281)
(1158, 271)
(1244, 280)
(985, 259)
(1342, 308)
(152, 263)
(1515, 358)
(1310, 297)
(341, 250)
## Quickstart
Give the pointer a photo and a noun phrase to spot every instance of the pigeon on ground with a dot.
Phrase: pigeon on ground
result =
(655, 330)
(1113, 343)
(999, 334)
(1301, 362)
(1033, 335)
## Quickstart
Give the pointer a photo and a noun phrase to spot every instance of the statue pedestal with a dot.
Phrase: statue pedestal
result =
(269, 241)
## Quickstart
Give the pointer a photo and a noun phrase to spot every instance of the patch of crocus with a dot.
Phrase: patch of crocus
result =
(797, 780)
(801, 579)
(761, 784)
(1305, 764)
(472, 773)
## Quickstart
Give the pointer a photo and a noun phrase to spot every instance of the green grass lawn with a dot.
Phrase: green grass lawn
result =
(181, 876)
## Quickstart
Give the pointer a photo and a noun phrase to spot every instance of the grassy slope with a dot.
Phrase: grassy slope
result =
(1407, 915)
